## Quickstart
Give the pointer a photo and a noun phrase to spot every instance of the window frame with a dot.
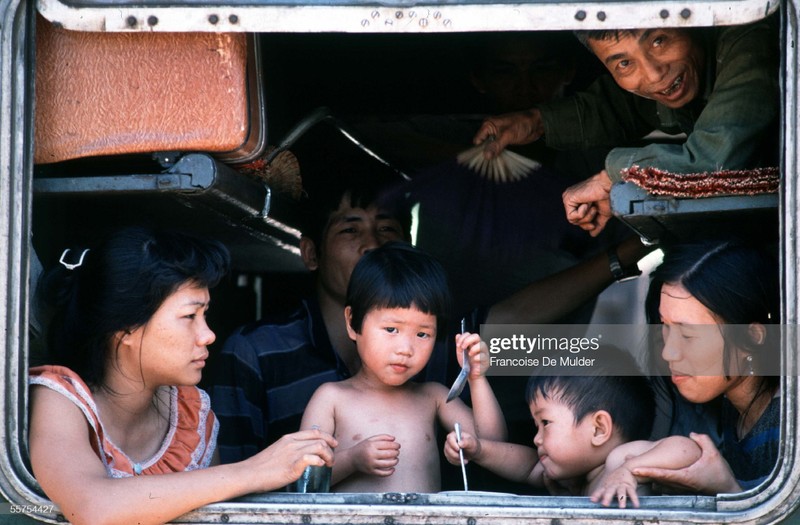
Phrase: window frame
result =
(776, 500)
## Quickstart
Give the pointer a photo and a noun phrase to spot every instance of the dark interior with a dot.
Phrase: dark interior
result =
(364, 80)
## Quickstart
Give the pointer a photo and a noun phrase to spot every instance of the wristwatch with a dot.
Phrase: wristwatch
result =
(619, 272)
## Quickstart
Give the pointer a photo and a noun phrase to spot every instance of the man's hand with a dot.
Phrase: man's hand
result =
(522, 127)
(588, 203)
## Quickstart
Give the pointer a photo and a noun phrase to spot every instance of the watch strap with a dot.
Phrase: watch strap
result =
(618, 271)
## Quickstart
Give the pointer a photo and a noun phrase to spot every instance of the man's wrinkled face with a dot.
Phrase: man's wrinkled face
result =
(350, 233)
(664, 65)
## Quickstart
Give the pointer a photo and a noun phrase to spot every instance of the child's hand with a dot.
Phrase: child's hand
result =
(619, 485)
(377, 455)
(478, 353)
(469, 444)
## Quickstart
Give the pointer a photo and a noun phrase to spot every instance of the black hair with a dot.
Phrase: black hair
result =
(628, 398)
(333, 168)
(359, 193)
(584, 35)
(118, 287)
(398, 275)
(738, 282)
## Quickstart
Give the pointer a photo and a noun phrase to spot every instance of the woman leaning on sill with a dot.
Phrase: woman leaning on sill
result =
(718, 304)
(120, 433)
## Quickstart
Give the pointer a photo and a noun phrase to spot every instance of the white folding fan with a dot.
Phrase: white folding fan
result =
(506, 167)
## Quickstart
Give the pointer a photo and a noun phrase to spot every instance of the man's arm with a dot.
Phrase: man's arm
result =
(521, 127)
(549, 299)
(602, 115)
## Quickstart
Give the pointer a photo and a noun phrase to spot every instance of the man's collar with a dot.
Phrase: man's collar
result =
(320, 340)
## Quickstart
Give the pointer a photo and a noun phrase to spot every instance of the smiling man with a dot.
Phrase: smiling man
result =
(715, 88)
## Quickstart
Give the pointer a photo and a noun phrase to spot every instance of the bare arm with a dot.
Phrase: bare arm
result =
(58, 426)
(670, 452)
(619, 482)
(509, 460)
(489, 420)
(564, 291)
(710, 474)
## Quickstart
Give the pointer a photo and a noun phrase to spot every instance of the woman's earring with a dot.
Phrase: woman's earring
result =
(749, 360)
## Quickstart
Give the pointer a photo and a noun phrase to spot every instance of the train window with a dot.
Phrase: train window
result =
(260, 76)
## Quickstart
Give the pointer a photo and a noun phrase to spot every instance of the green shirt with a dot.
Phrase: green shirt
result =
(725, 127)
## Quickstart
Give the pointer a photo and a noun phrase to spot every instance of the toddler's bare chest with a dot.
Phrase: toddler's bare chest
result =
(411, 421)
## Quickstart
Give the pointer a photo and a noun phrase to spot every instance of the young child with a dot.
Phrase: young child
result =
(396, 306)
(590, 436)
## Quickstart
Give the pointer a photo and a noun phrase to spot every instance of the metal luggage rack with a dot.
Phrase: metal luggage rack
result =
(213, 199)
(661, 218)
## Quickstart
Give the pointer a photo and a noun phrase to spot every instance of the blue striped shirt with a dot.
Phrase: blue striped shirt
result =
(265, 376)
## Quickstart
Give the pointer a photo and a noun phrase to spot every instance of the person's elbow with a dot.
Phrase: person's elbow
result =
(90, 514)
(690, 451)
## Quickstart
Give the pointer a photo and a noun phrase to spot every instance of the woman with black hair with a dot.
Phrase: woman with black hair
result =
(718, 303)
(119, 433)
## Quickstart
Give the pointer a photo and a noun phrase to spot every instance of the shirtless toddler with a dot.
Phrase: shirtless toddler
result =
(397, 304)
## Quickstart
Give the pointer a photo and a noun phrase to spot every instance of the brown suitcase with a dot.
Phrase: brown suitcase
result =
(120, 93)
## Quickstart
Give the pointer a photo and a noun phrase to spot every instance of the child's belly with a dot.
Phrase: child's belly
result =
(416, 471)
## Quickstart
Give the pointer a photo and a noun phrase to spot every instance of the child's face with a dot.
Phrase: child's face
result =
(395, 343)
(564, 446)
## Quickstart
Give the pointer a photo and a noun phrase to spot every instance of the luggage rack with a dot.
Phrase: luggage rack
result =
(214, 200)
(242, 212)
(658, 218)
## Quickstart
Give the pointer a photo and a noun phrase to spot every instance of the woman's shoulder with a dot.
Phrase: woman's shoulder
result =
(54, 374)
(193, 433)
(192, 407)
(67, 383)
